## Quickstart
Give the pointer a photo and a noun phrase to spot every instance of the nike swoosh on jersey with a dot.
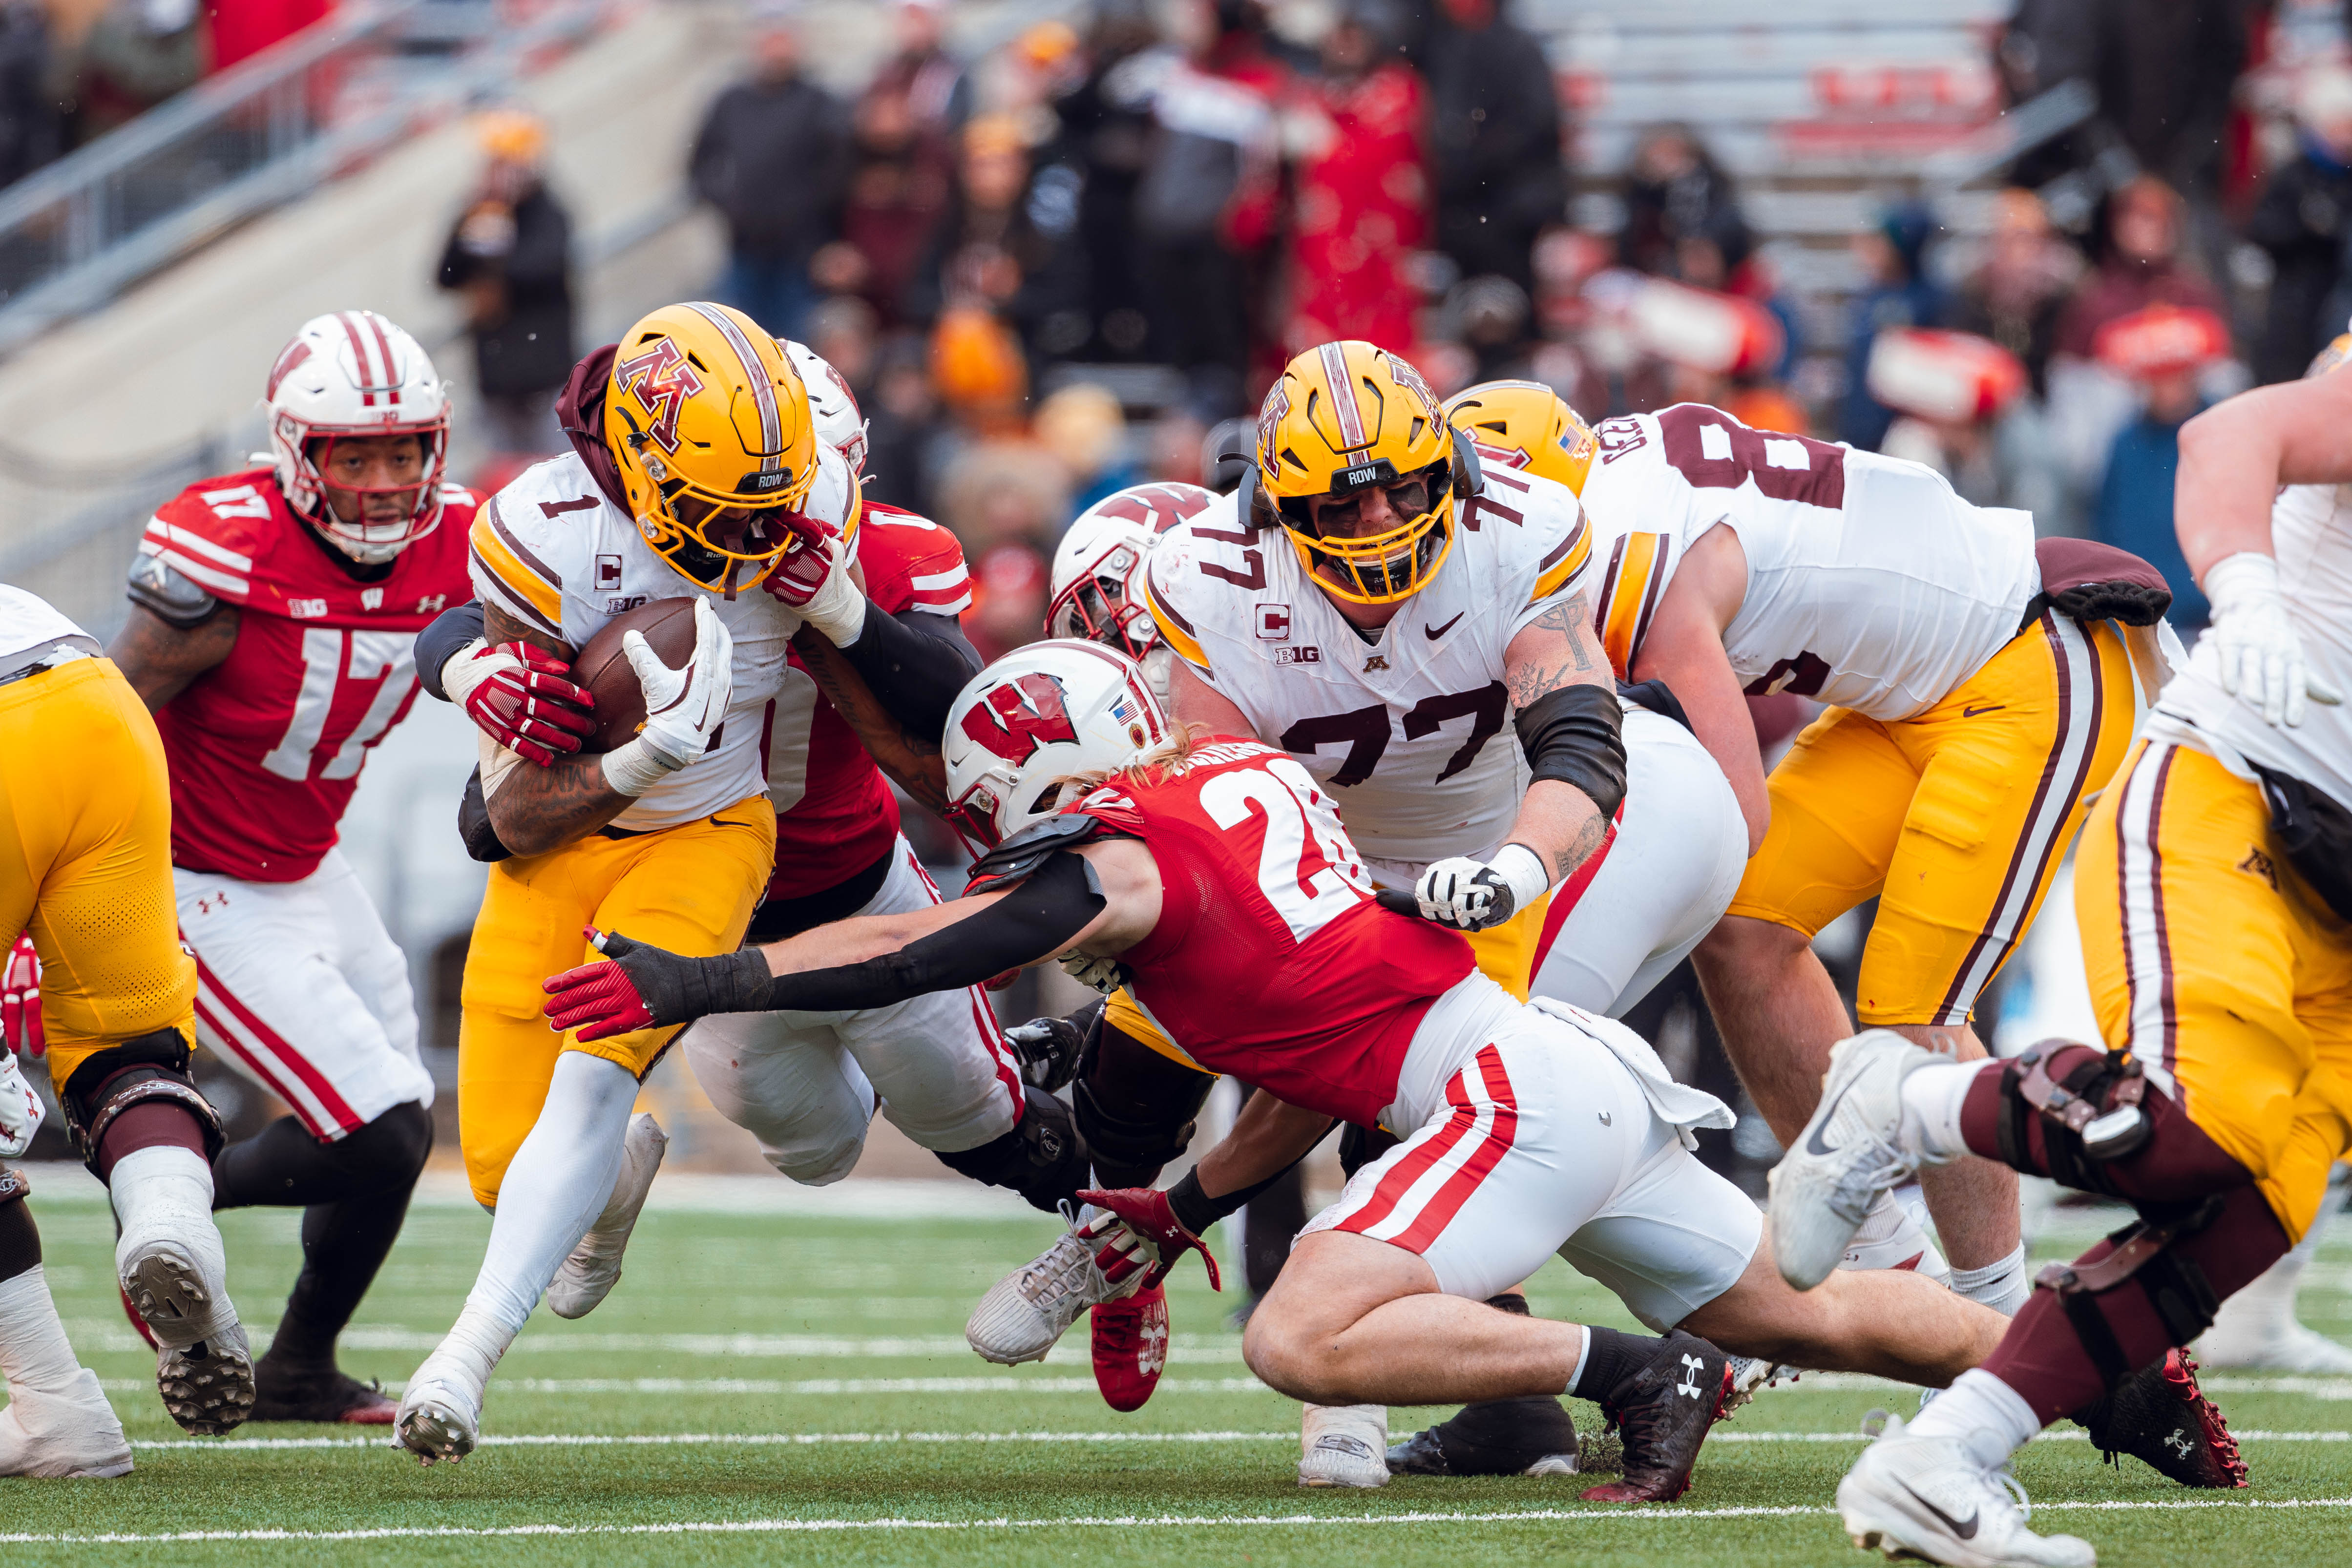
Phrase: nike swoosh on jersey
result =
(1964, 1531)
(1435, 633)
(1989, 708)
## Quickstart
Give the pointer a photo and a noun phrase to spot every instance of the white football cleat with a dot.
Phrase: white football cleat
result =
(1024, 1313)
(204, 1367)
(1890, 1239)
(588, 1276)
(1824, 1185)
(1343, 1446)
(440, 1415)
(1928, 1496)
(73, 1436)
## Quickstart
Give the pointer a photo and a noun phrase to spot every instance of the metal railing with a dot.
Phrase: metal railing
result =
(268, 130)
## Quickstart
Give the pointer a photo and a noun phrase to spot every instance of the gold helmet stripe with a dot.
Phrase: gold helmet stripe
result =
(764, 391)
(1343, 396)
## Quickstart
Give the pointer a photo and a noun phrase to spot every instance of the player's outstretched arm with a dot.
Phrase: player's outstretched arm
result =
(870, 961)
(1684, 648)
(160, 660)
(2234, 456)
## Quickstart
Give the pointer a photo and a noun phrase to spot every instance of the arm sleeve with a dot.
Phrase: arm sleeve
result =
(915, 663)
(1034, 921)
(1573, 734)
(449, 632)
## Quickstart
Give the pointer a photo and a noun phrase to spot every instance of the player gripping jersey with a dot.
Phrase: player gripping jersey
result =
(272, 615)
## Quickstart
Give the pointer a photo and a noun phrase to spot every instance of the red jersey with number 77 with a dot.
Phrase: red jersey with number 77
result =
(265, 747)
(1270, 959)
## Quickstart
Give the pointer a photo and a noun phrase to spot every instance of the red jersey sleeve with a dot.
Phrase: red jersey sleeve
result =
(911, 563)
(213, 532)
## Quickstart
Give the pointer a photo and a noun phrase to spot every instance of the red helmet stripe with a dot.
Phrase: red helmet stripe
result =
(391, 363)
(360, 354)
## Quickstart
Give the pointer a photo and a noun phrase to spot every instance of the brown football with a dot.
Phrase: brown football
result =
(668, 625)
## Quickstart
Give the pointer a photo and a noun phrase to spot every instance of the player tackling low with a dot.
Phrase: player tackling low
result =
(2214, 891)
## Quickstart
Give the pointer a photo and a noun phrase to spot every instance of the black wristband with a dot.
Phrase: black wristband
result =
(1195, 1211)
(1575, 736)
(450, 630)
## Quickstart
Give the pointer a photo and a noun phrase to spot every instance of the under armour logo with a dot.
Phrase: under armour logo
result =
(2177, 1441)
(1152, 1354)
(1688, 1387)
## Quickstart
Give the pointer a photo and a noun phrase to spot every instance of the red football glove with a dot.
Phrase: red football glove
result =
(812, 579)
(20, 1000)
(1141, 1233)
(525, 704)
(598, 999)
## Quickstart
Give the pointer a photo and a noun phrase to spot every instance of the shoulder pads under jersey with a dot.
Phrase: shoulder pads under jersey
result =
(1025, 851)
(156, 587)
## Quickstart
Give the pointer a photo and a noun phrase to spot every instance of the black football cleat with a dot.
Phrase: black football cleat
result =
(2159, 1415)
(1533, 1435)
(283, 1393)
(1662, 1413)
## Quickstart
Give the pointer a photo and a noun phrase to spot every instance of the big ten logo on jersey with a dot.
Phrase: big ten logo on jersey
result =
(1308, 868)
(1306, 654)
(621, 604)
(1274, 622)
(325, 736)
(1618, 436)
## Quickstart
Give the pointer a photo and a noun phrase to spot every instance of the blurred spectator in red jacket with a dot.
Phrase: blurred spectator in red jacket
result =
(241, 28)
(1362, 203)
(2142, 261)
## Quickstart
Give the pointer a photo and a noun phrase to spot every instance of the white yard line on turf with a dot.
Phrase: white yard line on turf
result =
(815, 1526)
(808, 1439)
(1221, 1350)
(1002, 1385)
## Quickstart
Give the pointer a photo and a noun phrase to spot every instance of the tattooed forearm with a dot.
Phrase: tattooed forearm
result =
(536, 810)
(1557, 649)
(499, 627)
(1580, 849)
(912, 761)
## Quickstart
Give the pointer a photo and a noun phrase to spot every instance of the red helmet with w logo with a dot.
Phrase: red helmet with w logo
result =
(1041, 714)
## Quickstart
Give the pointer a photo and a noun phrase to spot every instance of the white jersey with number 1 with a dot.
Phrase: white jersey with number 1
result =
(1871, 584)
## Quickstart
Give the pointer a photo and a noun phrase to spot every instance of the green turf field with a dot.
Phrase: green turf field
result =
(767, 1388)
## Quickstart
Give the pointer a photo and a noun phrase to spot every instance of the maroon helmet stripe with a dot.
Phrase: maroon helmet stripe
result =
(1343, 395)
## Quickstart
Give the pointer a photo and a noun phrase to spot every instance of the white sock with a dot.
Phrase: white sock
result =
(169, 1189)
(1989, 1417)
(1932, 1098)
(34, 1350)
(555, 1186)
(2001, 1285)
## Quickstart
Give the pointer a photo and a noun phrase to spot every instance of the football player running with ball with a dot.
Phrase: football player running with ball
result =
(272, 611)
(1527, 1130)
(808, 1087)
(86, 817)
(2214, 889)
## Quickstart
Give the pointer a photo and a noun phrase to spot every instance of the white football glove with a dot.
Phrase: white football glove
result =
(2261, 656)
(1105, 975)
(682, 705)
(812, 579)
(20, 1110)
(1471, 895)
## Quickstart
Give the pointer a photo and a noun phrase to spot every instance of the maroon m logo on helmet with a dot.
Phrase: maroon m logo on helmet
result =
(1017, 718)
(661, 380)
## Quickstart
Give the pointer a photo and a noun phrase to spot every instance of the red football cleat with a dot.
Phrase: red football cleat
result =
(1130, 1346)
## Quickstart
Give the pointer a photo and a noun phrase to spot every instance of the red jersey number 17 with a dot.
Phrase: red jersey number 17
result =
(329, 659)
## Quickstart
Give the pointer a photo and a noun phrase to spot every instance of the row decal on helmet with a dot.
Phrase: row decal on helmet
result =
(1343, 397)
(763, 393)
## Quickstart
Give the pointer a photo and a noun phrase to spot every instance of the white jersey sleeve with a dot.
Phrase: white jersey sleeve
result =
(1408, 726)
(2311, 535)
(1871, 584)
(553, 551)
(27, 621)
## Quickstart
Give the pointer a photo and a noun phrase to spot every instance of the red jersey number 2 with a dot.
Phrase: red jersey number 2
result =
(1308, 885)
(329, 659)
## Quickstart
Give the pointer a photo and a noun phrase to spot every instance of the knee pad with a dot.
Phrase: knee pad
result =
(1043, 1158)
(1135, 1108)
(2142, 1254)
(151, 1068)
(2089, 1105)
(1144, 1142)
(818, 1165)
